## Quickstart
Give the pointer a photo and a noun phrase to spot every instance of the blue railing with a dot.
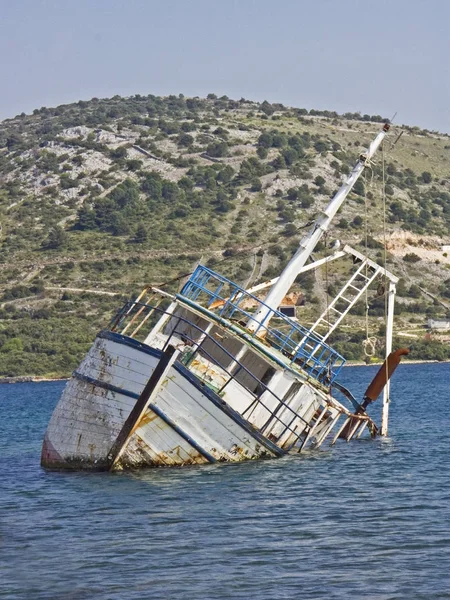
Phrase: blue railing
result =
(229, 301)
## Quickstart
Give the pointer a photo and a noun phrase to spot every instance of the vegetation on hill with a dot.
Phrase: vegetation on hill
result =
(109, 195)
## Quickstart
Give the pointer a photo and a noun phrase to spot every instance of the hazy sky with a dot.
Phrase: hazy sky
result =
(376, 57)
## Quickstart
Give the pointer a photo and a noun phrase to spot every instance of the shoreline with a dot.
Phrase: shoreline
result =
(405, 362)
(30, 379)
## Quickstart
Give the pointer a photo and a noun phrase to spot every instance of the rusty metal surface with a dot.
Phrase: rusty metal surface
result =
(384, 373)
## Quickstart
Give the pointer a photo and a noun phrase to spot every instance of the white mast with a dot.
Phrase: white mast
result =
(389, 334)
(309, 241)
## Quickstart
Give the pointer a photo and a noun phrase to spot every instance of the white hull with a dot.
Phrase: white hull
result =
(189, 424)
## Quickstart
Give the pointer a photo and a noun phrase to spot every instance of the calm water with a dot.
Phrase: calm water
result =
(369, 519)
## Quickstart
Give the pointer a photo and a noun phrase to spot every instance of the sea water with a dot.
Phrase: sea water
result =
(368, 519)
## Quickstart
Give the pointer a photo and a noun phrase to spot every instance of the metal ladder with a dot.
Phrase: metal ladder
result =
(349, 294)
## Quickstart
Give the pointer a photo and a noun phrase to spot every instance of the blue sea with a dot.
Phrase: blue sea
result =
(368, 519)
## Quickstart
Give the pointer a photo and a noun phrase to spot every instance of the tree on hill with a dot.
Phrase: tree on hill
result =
(411, 257)
(262, 152)
(267, 108)
(250, 168)
(86, 219)
(118, 153)
(152, 186)
(265, 140)
(134, 164)
(170, 191)
(185, 140)
(321, 146)
(256, 185)
(217, 149)
(57, 238)
(140, 235)
(119, 224)
(125, 193)
(15, 142)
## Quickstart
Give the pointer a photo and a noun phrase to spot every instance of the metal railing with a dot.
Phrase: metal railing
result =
(229, 301)
(131, 310)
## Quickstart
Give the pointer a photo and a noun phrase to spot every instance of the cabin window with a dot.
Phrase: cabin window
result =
(288, 311)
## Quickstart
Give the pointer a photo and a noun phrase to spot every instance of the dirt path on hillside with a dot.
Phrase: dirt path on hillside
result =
(90, 291)
(38, 265)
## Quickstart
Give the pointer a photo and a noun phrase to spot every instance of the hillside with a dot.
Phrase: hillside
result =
(99, 198)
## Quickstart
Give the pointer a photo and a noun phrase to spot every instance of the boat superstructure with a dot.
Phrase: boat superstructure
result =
(215, 373)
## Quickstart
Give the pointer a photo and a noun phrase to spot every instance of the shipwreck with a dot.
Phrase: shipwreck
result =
(215, 373)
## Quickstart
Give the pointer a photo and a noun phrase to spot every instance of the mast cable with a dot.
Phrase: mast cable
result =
(366, 226)
(369, 343)
(327, 304)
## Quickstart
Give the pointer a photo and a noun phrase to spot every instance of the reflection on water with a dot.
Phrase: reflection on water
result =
(369, 519)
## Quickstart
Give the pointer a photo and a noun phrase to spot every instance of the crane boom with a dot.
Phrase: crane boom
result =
(310, 240)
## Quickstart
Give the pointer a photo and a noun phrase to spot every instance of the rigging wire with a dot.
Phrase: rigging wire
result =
(327, 286)
(366, 227)
(369, 344)
(327, 305)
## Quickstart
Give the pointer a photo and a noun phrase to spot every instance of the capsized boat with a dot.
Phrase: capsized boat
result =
(214, 373)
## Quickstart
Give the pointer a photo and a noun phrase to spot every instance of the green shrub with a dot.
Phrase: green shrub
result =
(411, 257)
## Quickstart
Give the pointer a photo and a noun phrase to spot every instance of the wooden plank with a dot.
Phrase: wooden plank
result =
(137, 412)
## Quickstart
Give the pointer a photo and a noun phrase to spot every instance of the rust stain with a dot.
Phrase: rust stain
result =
(235, 450)
(165, 383)
(151, 416)
(91, 450)
(148, 418)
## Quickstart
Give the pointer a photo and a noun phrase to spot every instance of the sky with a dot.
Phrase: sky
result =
(376, 57)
